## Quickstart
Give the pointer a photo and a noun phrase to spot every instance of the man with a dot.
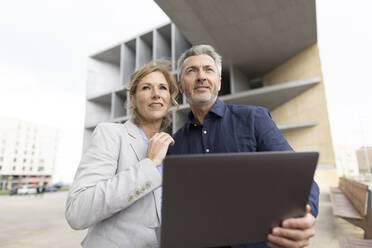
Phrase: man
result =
(215, 127)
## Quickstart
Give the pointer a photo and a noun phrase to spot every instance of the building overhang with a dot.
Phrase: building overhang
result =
(255, 36)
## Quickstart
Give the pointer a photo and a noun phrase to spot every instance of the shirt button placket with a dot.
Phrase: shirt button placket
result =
(205, 139)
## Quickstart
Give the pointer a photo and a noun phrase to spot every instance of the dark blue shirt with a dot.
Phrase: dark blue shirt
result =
(234, 128)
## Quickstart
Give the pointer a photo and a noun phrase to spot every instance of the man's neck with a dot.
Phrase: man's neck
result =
(200, 111)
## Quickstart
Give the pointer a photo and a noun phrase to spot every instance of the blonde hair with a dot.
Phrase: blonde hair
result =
(164, 67)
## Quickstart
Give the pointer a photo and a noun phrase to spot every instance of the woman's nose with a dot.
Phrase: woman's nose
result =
(155, 93)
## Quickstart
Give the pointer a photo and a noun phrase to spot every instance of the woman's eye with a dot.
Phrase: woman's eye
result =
(163, 87)
(145, 87)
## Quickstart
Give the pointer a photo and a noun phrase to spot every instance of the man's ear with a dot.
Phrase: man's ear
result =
(180, 87)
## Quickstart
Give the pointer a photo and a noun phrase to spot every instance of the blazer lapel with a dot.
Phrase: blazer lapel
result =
(140, 149)
(136, 140)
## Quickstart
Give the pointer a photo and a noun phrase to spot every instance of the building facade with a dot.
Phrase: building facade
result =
(364, 157)
(270, 58)
(346, 161)
(27, 153)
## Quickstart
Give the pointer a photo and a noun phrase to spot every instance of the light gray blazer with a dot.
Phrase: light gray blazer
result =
(116, 191)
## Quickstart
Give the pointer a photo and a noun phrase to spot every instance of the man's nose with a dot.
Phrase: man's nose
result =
(201, 75)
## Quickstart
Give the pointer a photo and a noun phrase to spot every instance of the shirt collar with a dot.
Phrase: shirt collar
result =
(218, 109)
(144, 137)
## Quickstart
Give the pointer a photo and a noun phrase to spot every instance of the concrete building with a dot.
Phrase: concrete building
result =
(27, 153)
(346, 161)
(270, 58)
(364, 157)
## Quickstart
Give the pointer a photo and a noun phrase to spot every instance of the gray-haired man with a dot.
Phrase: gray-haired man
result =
(215, 127)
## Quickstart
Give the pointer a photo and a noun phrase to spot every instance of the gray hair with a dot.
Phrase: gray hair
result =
(199, 50)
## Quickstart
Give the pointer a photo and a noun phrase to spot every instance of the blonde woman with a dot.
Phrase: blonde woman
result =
(116, 190)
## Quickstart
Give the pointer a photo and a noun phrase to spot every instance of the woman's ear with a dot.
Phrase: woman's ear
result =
(132, 103)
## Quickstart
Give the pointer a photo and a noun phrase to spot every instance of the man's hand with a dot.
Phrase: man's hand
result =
(295, 232)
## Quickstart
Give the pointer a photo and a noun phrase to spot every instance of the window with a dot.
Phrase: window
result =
(24, 168)
(24, 160)
(40, 168)
(25, 152)
(1, 159)
(41, 161)
(1, 167)
(14, 168)
(15, 151)
(14, 159)
(32, 161)
(30, 168)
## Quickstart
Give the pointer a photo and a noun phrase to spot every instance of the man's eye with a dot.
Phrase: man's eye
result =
(210, 69)
(190, 70)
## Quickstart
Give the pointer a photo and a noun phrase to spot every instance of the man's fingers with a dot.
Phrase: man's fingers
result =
(294, 234)
(300, 223)
(284, 242)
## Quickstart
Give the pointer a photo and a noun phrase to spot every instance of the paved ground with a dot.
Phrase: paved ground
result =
(30, 221)
(329, 228)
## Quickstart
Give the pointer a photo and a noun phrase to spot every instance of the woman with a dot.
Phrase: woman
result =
(116, 191)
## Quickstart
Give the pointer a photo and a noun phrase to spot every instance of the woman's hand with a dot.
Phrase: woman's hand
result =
(158, 147)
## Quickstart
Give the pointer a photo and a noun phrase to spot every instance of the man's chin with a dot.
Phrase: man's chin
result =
(200, 101)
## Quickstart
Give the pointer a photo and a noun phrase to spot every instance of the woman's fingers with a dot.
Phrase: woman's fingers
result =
(158, 147)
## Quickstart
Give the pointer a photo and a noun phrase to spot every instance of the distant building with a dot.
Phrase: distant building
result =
(27, 153)
(346, 161)
(364, 157)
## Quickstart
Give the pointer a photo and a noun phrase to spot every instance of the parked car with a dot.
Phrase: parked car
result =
(26, 189)
(51, 188)
(13, 191)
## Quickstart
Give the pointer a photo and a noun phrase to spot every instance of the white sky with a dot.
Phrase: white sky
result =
(345, 44)
(43, 50)
(44, 46)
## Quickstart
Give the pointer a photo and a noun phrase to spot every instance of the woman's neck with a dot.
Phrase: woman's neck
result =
(150, 128)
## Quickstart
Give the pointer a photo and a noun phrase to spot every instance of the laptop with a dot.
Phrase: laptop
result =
(212, 200)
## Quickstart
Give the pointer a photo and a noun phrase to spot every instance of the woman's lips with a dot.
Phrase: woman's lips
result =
(156, 105)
